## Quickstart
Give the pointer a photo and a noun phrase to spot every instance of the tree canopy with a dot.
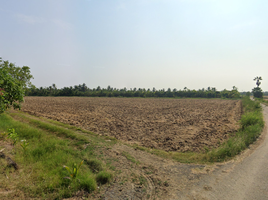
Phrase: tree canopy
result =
(13, 83)
(83, 90)
(257, 91)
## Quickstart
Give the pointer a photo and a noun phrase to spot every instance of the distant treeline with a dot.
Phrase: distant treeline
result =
(83, 90)
(249, 93)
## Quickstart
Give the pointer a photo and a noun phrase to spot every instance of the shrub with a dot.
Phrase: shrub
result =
(250, 119)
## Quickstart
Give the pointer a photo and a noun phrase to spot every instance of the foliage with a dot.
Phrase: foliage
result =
(21, 74)
(13, 82)
(83, 90)
(42, 174)
(13, 135)
(250, 119)
(251, 126)
(74, 172)
(11, 91)
(257, 91)
(257, 79)
(24, 145)
(4, 135)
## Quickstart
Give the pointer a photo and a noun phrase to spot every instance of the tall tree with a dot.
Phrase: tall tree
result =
(257, 79)
(257, 91)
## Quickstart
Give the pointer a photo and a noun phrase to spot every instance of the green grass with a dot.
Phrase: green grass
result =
(251, 127)
(50, 147)
(263, 100)
(104, 177)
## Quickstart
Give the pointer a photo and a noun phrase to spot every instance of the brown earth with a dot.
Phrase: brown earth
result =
(167, 124)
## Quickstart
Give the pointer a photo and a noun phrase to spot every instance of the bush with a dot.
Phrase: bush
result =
(257, 92)
(250, 119)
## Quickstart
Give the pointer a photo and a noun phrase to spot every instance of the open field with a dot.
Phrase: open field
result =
(134, 173)
(167, 124)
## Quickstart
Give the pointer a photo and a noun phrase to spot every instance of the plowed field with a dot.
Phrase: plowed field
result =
(168, 124)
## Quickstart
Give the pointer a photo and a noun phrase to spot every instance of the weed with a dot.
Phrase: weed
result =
(24, 145)
(73, 173)
(13, 135)
(4, 135)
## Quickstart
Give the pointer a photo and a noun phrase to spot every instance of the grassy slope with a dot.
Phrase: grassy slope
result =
(41, 165)
(251, 127)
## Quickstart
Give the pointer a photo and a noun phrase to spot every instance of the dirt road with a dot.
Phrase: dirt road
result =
(244, 178)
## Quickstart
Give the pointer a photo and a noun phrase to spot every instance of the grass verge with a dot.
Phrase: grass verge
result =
(41, 162)
(264, 101)
(251, 124)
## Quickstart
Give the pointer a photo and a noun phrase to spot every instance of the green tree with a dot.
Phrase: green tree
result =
(257, 79)
(22, 74)
(257, 91)
(13, 83)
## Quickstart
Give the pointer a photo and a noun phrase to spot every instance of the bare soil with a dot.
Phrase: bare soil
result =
(168, 124)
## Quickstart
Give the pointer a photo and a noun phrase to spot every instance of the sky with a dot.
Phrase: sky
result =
(138, 43)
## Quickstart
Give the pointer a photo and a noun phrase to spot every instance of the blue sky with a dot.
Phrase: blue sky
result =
(138, 43)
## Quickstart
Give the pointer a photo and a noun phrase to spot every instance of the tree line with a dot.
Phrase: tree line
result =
(15, 83)
(83, 90)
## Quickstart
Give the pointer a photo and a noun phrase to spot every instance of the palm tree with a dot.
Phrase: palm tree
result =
(258, 79)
